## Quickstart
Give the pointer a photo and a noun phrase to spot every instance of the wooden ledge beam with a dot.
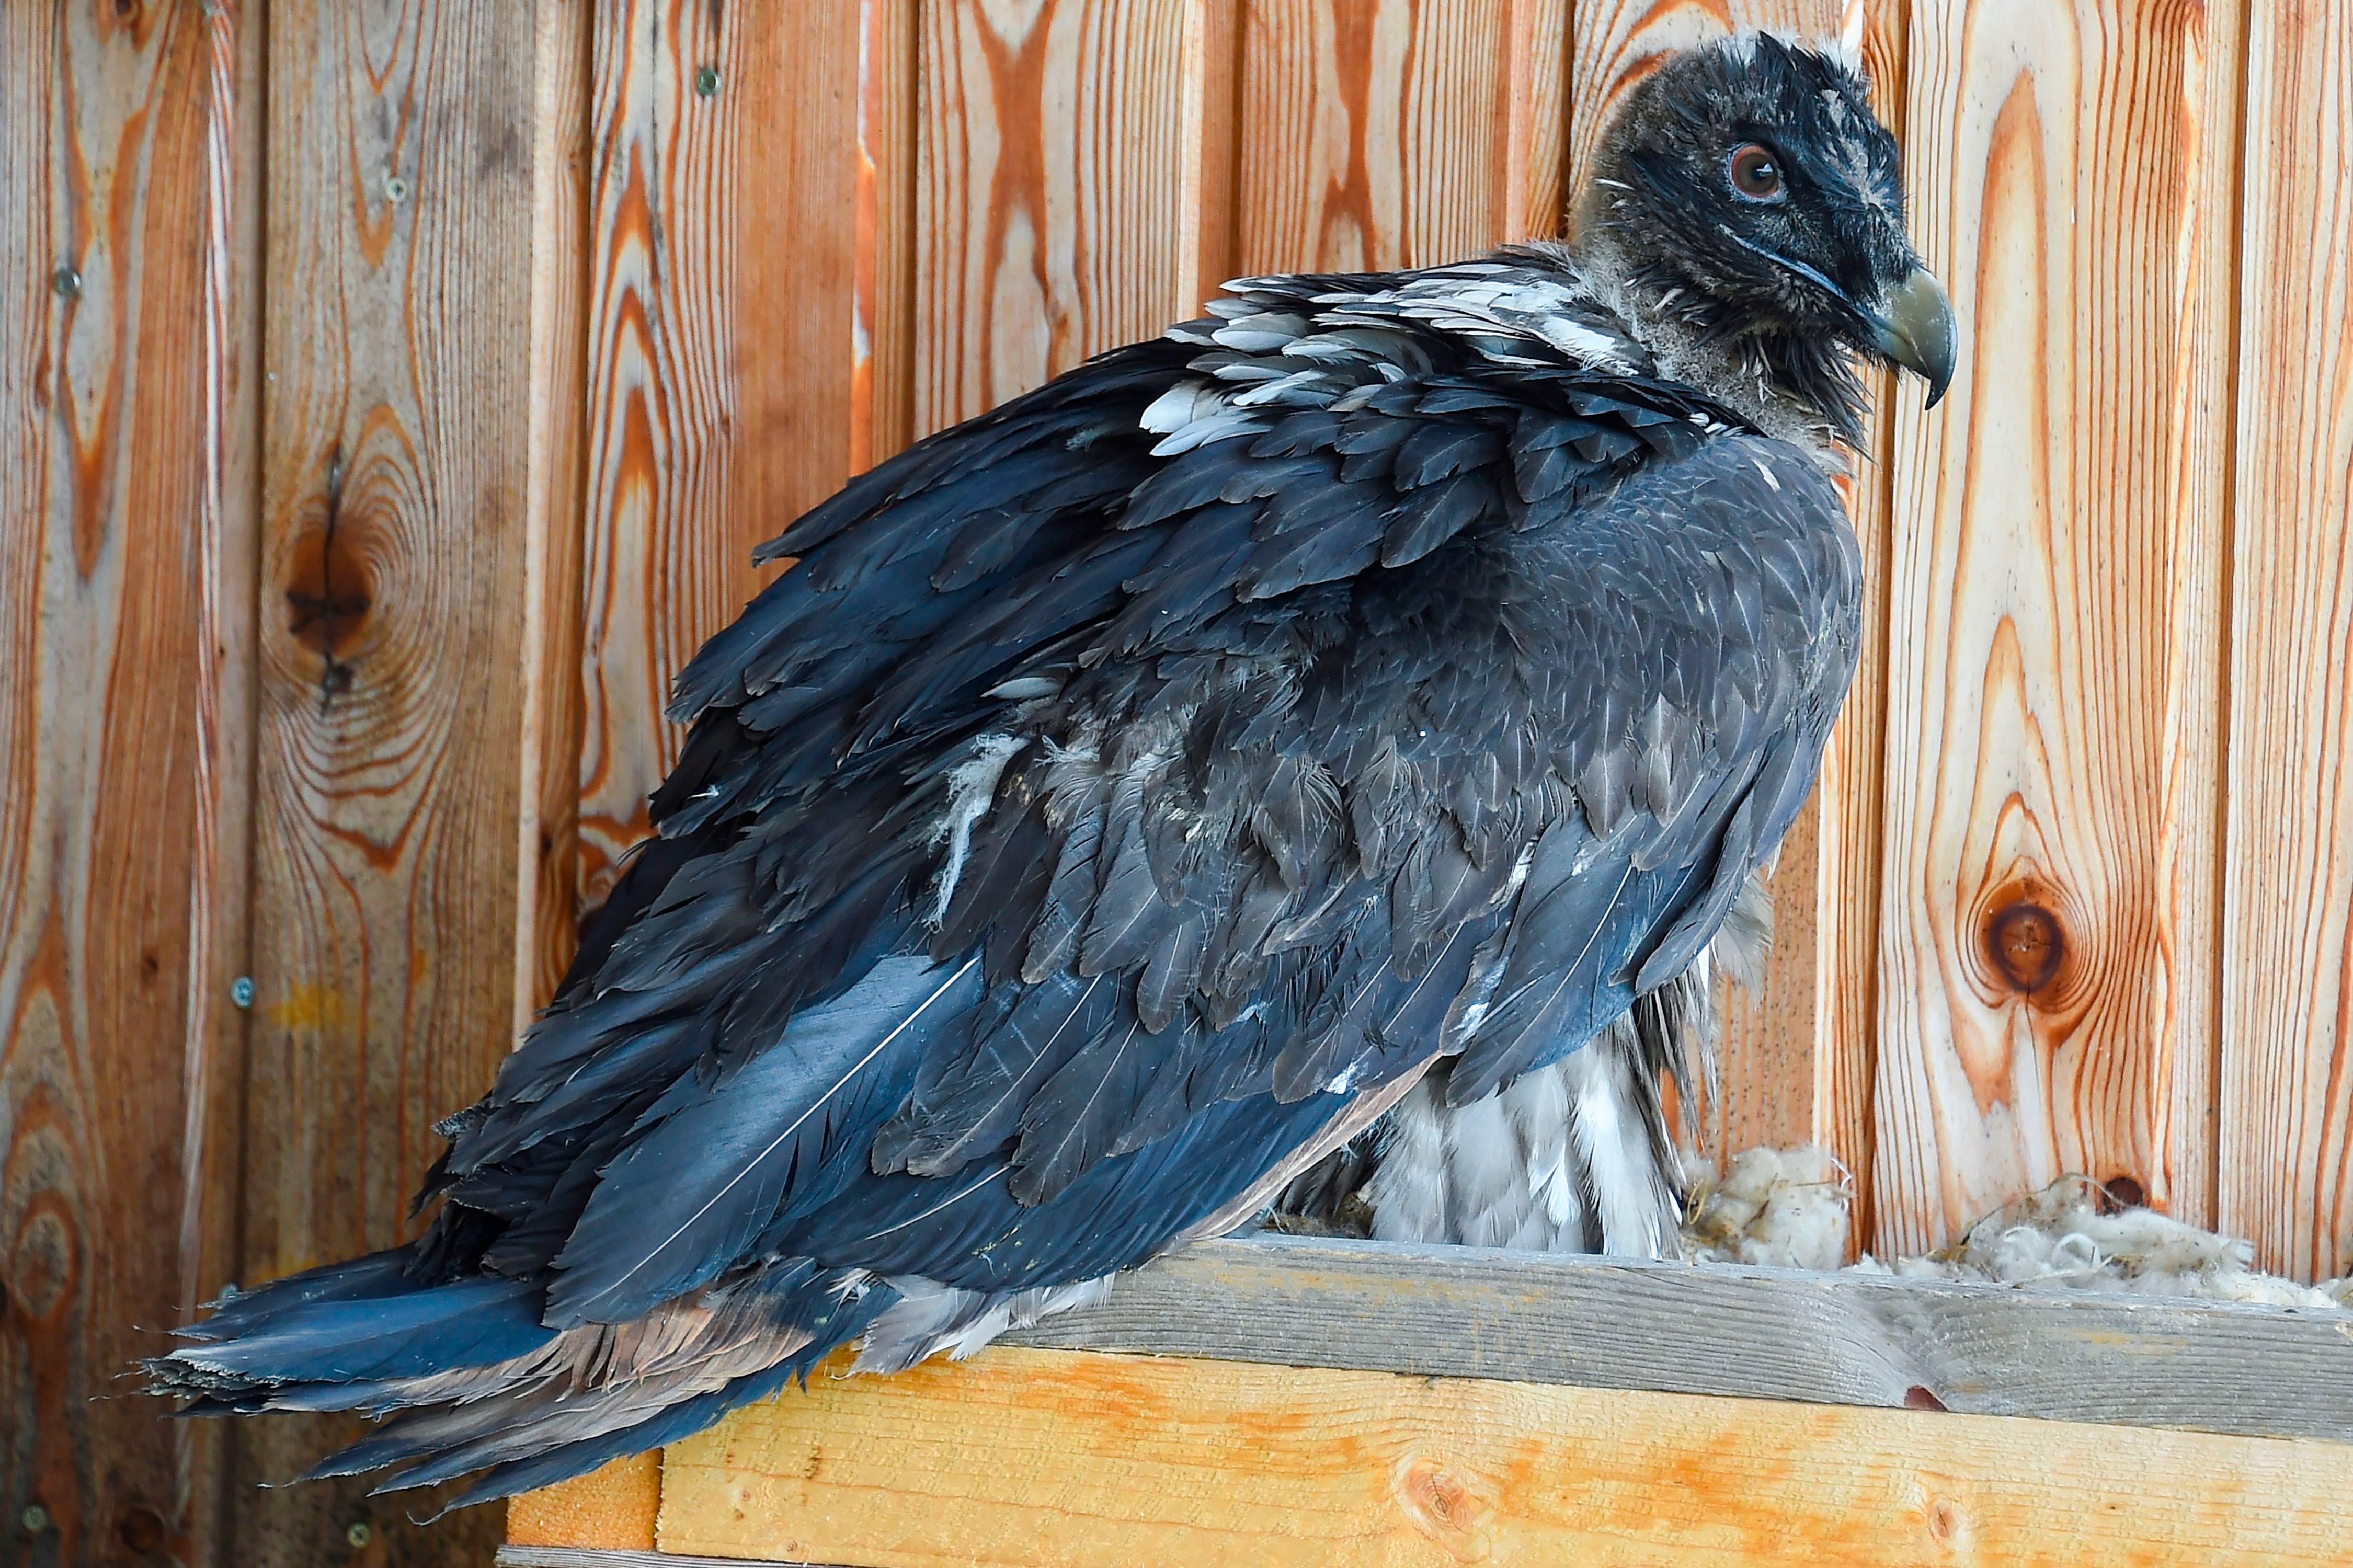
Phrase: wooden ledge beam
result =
(1770, 1333)
(1063, 1459)
(1310, 1401)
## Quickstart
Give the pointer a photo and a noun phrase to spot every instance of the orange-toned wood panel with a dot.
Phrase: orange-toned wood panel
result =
(397, 422)
(2054, 600)
(1849, 804)
(1396, 133)
(723, 239)
(2287, 1010)
(1025, 1458)
(125, 573)
(1059, 179)
(548, 842)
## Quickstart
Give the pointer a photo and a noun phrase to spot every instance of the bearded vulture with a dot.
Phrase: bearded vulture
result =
(1369, 700)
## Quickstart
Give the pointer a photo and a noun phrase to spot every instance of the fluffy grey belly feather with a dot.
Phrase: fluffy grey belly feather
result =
(1573, 1157)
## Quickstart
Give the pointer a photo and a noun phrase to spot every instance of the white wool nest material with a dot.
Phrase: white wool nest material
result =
(1783, 1207)
(1789, 1207)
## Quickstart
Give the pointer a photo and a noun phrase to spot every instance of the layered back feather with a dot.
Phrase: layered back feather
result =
(1127, 798)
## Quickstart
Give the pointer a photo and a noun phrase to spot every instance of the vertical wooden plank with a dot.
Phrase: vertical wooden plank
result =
(662, 567)
(220, 914)
(1380, 135)
(121, 696)
(1848, 801)
(882, 399)
(722, 347)
(2191, 917)
(1535, 158)
(2046, 592)
(1773, 1044)
(1056, 191)
(2286, 1091)
(398, 423)
(1211, 138)
(548, 846)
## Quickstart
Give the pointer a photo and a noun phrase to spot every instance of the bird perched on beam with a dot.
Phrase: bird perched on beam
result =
(1372, 699)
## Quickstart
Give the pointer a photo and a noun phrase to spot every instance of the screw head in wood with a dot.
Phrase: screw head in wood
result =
(35, 1518)
(706, 81)
(359, 1535)
(240, 990)
(396, 189)
(67, 282)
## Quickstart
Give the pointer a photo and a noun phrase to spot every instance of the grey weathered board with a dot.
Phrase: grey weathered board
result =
(1771, 1334)
(592, 1557)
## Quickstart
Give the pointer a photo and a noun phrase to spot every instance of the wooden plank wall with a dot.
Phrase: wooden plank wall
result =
(127, 543)
(452, 438)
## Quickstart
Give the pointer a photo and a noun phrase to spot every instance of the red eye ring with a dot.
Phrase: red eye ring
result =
(1755, 172)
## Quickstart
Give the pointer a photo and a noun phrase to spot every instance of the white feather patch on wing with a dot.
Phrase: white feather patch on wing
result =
(971, 786)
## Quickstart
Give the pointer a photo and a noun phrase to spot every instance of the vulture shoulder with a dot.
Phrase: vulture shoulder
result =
(1130, 792)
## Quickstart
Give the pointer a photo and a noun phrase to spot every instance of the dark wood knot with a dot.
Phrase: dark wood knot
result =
(141, 1529)
(2120, 1193)
(2026, 944)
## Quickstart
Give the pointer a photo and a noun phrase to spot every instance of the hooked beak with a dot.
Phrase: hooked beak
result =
(1916, 331)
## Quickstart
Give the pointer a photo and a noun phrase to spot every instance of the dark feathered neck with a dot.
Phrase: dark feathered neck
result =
(1804, 387)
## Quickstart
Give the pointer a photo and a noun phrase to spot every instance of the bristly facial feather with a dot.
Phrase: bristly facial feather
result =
(1752, 206)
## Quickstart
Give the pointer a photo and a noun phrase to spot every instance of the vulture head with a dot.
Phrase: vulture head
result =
(1747, 188)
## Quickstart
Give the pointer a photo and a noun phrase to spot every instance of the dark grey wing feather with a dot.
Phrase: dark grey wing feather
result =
(1124, 787)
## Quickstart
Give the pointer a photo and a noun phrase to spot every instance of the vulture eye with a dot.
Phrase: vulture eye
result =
(1755, 174)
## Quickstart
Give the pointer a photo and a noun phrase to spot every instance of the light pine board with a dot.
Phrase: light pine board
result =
(1396, 133)
(125, 596)
(1053, 1460)
(1056, 193)
(664, 563)
(1848, 808)
(397, 423)
(2288, 937)
(742, 301)
(2054, 597)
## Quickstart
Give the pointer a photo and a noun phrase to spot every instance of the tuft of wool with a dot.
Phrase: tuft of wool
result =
(2069, 1235)
(1782, 1208)
(1789, 1208)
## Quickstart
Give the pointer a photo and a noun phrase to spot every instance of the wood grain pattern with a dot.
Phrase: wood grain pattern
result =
(1394, 133)
(397, 423)
(1056, 193)
(722, 346)
(548, 840)
(664, 565)
(1767, 1333)
(1848, 800)
(122, 688)
(883, 396)
(2052, 600)
(613, 1508)
(2286, 1135)
(1535, 146)
(1044, 1458)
